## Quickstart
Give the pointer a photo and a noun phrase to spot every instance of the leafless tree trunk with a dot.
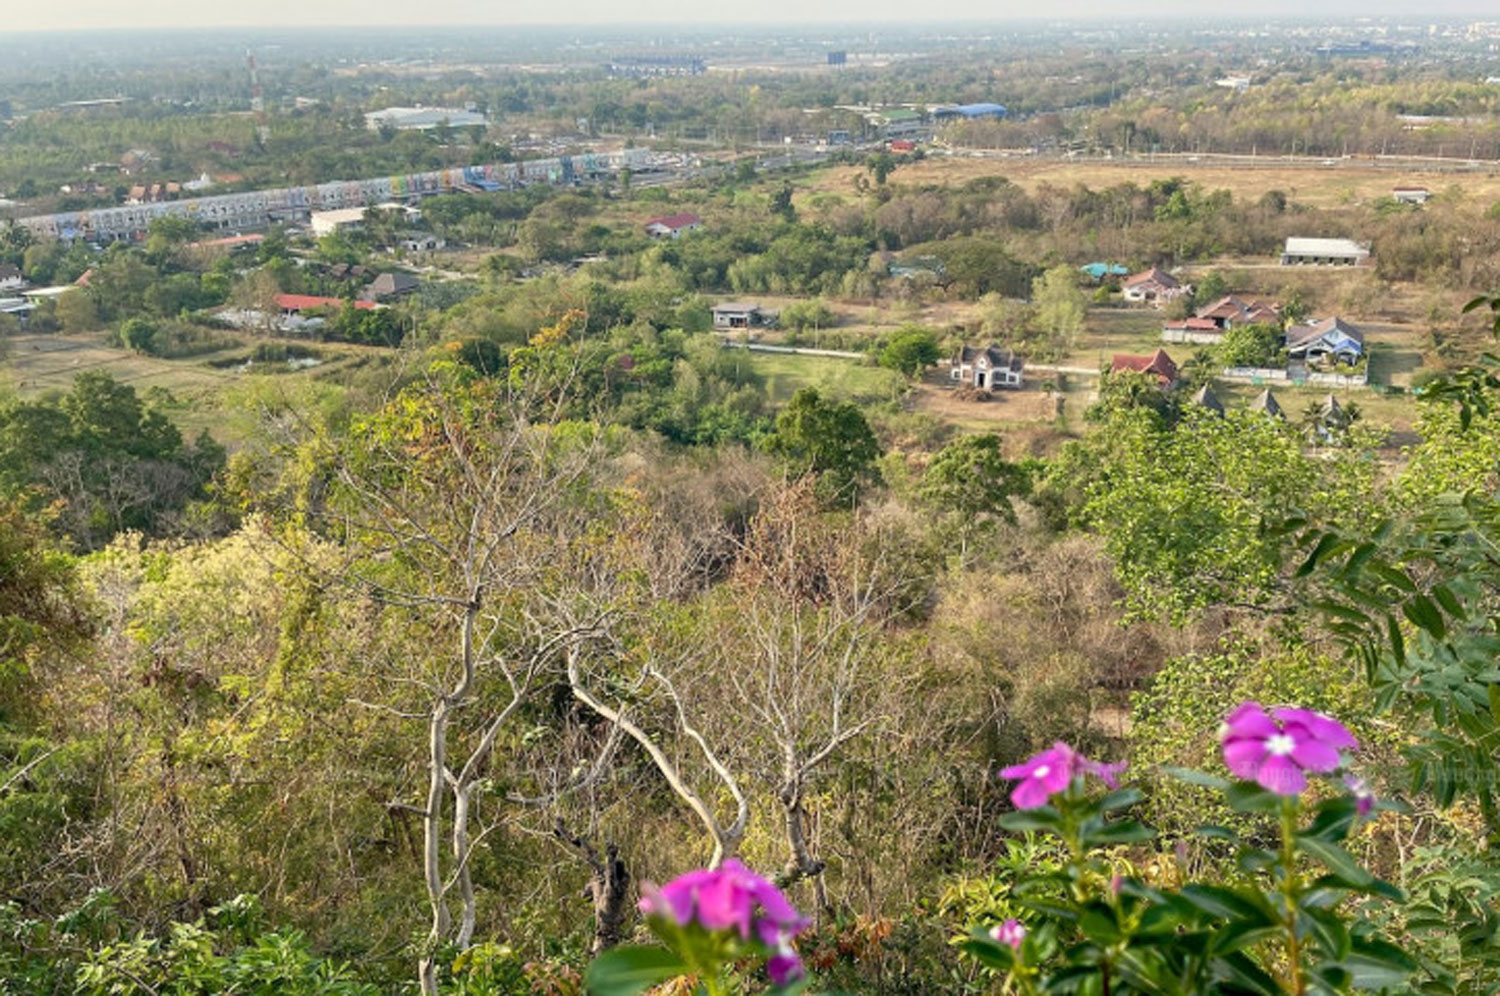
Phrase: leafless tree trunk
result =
(608, 888)
(726, 837)
(454, 510)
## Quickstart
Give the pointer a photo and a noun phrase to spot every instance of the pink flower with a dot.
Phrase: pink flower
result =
(784, 966)
(1364, 798)
(1011, 932)
(1278, 752)
(1052, 771)
(732, 897)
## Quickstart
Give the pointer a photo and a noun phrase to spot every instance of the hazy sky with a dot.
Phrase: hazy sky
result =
(85, 14)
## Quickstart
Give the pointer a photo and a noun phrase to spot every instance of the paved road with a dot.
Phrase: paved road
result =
(760, 347)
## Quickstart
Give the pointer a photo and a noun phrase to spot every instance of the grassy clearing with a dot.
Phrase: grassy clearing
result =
(1314, 185)
(1118, 330)
(787, 373)
(204, 396)
(39, 364)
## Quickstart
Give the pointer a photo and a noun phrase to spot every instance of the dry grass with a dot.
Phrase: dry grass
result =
(1314, 185)
(47, 362)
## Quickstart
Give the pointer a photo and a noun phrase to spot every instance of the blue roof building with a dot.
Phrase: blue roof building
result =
(1098, 271)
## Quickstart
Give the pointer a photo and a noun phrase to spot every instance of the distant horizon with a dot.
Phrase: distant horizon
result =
(95, 16)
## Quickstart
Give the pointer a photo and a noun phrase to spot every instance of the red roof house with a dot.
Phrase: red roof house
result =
(670, 226)
(297, 303)
(1152, 286)
(1230, 311)
(1158, 363)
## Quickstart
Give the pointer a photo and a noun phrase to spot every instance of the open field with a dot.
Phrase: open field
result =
(47, 362)
(1006, 409)
(43, 363)
(787, 373)
(1315, 185)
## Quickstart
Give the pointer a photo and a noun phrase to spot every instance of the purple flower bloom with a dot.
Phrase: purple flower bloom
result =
(784, 966)
(1107, 773)
(1277, 750)
(1052, 770)
(732, 897)
(1011, 932)
(1364, 798)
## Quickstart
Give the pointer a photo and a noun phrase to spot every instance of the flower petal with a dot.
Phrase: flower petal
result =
(1029, 794)
(1281, 775)
(722, 905)
(1324, 728)
(1243, 757)
(783, 967)
(1248, 720)
(1311, 753)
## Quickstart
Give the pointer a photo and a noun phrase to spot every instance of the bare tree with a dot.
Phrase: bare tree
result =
(457, 510)
(807, 651)
(726, 835)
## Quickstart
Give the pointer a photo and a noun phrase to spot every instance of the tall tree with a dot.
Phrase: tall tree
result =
(1060, 305)
(830, 439)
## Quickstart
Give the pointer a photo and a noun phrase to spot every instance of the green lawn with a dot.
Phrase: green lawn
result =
(1120, 330)
(787, 373)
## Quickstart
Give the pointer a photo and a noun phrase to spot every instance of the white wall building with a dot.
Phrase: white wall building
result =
(341, 220)
(1324, 252)
(422, 118)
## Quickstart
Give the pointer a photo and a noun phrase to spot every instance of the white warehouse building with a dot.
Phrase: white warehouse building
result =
(422, 118)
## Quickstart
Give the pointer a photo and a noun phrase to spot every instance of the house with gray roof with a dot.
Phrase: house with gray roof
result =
(987, 367)
(1331, 340)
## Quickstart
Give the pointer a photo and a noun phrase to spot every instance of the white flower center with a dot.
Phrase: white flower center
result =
(1280, 745)
(1041, 771)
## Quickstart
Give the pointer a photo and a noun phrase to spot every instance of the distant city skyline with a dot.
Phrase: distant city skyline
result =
(298, 14)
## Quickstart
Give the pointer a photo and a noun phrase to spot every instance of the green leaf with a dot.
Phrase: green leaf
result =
(1216, 900)
(1326, 544)
(1338, 861)
(1332, 820)
(1241, 934)
(1248, 797)
(1329, 930)
(1124, 832)
(1450, 603)
(1421, 611)
(1041, 818)
(1098, 927)
(631, 969)
(1197, 777)
(988, 951)
(1377, 964)
(1395, 577)
(1120, 799)
(1398, 643)
(1250, 976)
(1215, 832)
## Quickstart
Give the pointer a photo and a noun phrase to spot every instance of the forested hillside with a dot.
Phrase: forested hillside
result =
(990, 561)
(441, 673)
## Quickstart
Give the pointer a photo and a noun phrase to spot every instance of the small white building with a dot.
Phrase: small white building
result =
(1324, 252)
(987, 367)
(420, 242)
(20, 307)
(10, 277)
(671, 226)
(741, 315)
(339, 220)
(1153, 286)
(1411, 195)
(423, 118)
